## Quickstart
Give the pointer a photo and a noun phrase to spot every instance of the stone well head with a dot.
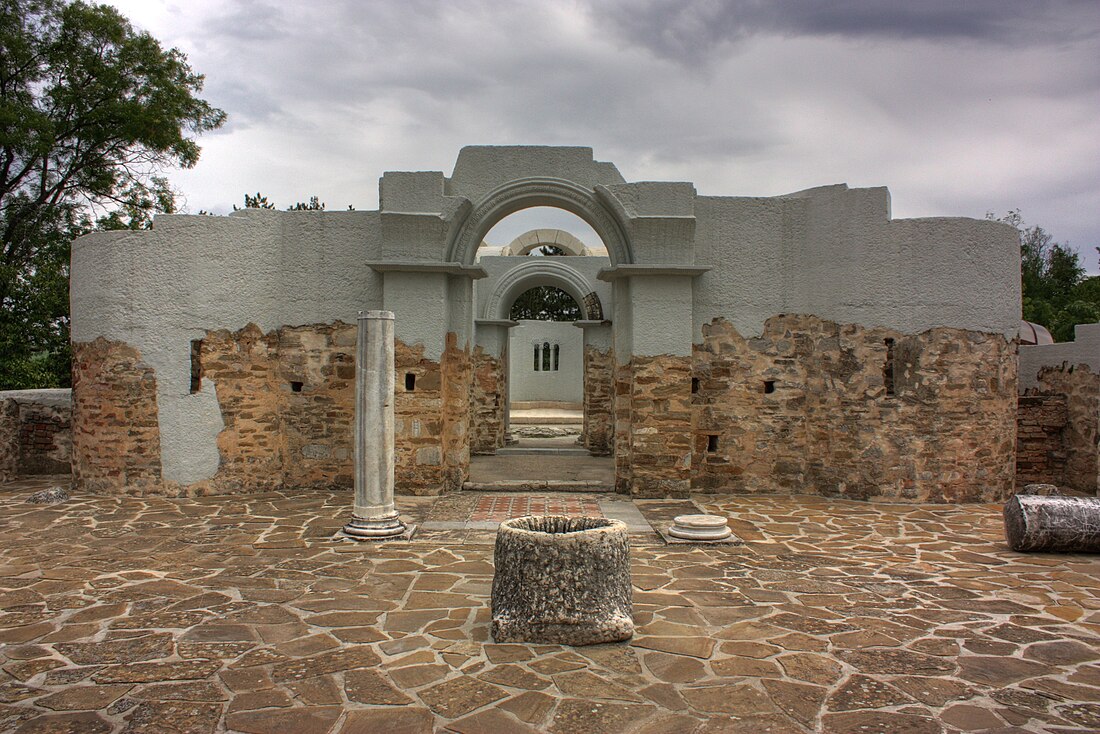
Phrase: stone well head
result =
(562, 580)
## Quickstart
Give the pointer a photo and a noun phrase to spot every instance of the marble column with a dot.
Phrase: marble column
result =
(374, 514)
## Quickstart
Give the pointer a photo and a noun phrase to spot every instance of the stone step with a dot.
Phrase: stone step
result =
(539, 485)
(541, 450)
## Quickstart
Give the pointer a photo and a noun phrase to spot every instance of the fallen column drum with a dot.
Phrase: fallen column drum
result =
(1035, 523)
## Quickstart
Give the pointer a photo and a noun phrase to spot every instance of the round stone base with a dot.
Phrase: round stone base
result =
(384, 527)
(700, 527)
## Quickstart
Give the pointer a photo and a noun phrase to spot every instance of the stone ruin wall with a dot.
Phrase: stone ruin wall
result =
(1041, 422)
(804, 408)
(599, 394)
(116, 437)
(487, 403)
(45, 438)
(9, 439)
(657, 423)
(1079, 386)
(287, 402)
(35, 432)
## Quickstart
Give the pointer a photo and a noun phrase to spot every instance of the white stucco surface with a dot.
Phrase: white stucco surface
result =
(834, 252)
(1084, 349)
(566, 384)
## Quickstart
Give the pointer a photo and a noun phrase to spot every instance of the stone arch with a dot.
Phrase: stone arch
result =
(536, 272)
(529, 241)
(592, 205)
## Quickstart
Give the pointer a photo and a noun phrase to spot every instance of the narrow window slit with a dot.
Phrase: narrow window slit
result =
(694, 385)
(196, 366)
(410, 381)
(712, 444)
(769, 387)
(296, 386)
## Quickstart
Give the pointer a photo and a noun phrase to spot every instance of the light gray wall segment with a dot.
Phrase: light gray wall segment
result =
(419, 304)
(834, 253)
(482, 168)
(661, 308)
(525, 383)
(157, 290)
(58, 397)
(1084, 349)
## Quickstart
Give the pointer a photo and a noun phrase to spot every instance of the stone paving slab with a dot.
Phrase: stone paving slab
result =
(241, 614)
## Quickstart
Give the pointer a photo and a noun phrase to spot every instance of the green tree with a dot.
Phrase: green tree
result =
(91, 112)
(545, 303)
(1056, 292)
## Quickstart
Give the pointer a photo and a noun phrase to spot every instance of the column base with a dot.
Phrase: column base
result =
(378, 528)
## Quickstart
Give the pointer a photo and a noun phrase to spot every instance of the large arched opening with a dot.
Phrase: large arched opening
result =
(532, 373)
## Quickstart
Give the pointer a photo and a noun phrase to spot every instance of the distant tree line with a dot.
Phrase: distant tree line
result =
(1057, 293)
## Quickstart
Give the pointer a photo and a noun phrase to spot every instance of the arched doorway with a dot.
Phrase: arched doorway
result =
(535, 372)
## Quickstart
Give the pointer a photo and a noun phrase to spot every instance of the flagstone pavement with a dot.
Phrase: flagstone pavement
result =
(244, 614)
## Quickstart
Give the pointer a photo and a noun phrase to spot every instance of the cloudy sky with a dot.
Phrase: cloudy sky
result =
(959, 106)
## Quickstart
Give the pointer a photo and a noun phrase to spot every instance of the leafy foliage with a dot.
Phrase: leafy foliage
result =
(545, 303)
(91, 111)
(1056, 292)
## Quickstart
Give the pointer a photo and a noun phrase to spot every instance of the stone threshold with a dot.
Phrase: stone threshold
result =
(612, 508)
(539, 485)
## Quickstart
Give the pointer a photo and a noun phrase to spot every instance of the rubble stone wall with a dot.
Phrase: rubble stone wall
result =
(1041, 422)
(9, 439)
(660, 426)
(622, 402)
(599, 396)
(1080, 387)
(45, 434)
(116, 437)
(457, 383)
(487, 402)
(812, 406)
(41, 437)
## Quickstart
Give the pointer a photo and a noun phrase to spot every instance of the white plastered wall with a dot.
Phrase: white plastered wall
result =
(1084, 349)
(834, 252)
(566, 384)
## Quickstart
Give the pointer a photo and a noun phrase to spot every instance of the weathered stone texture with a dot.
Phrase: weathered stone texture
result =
(661, 426)
(487, 404)
(1040, 451)
(1050, 523)
(37, 432)
(287, 400)
(623, 466)
(457, 381)
(814, 406)
(599, 389)
(1081, 388)
(9, 439)
(45, 439)
(431, 443)
(561, 580)
(116, 437)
